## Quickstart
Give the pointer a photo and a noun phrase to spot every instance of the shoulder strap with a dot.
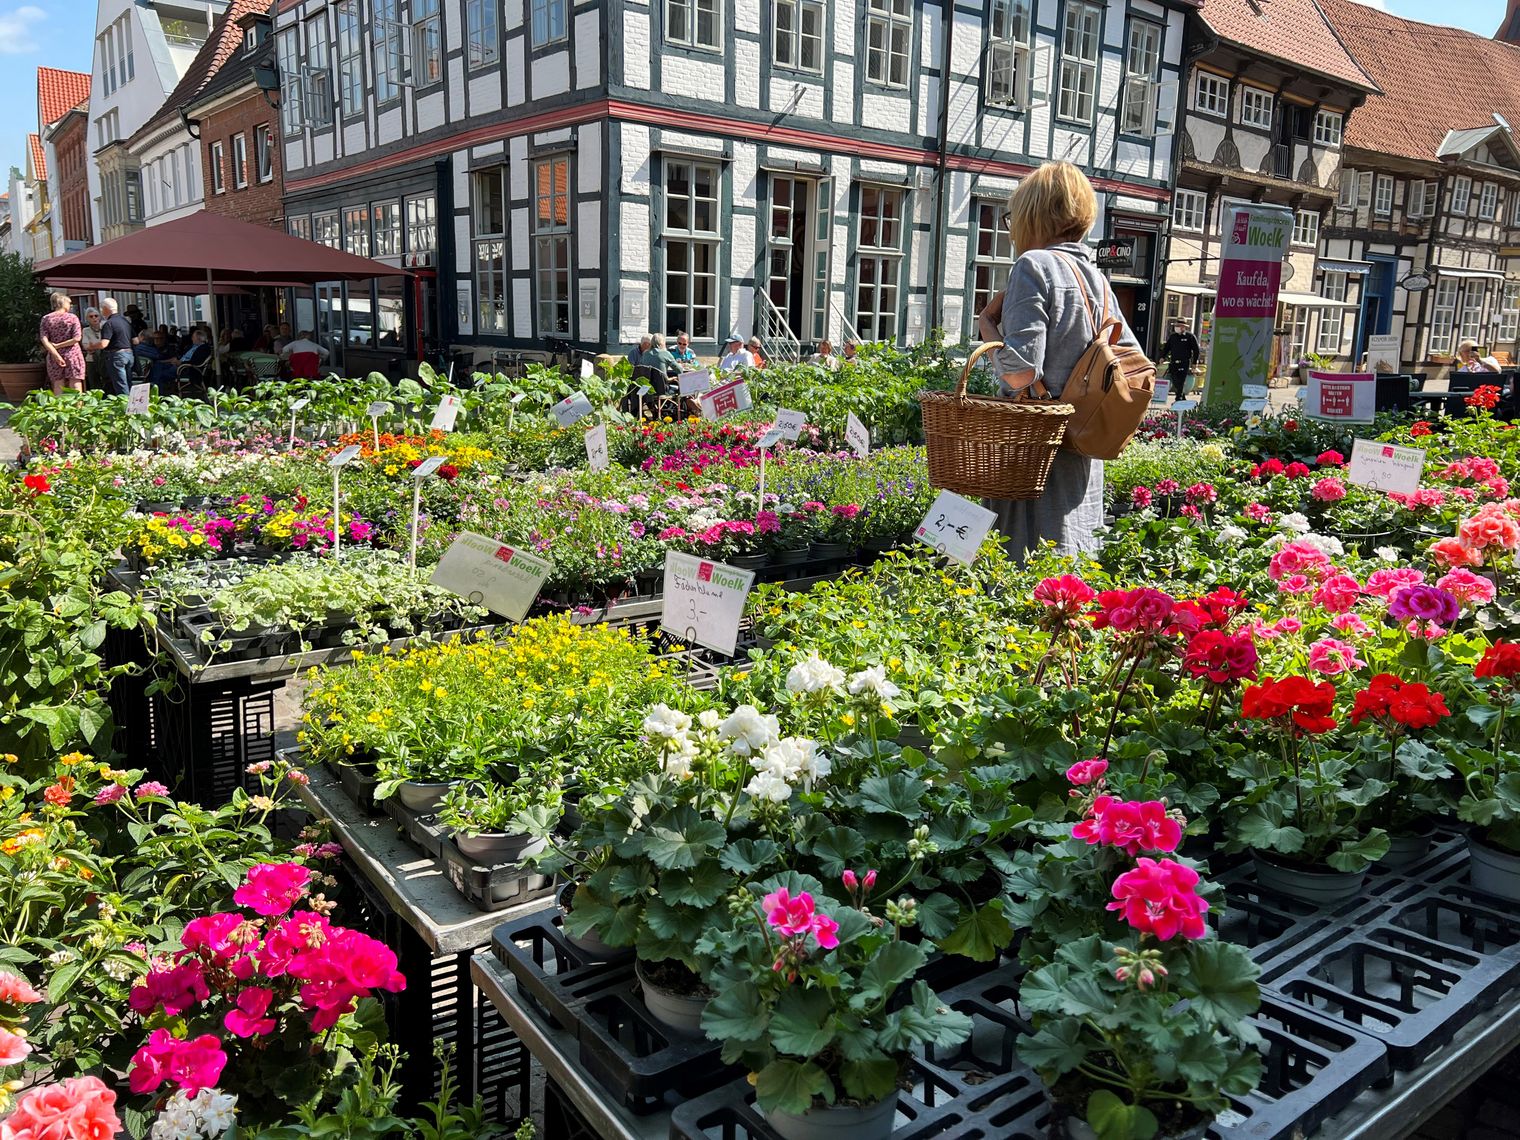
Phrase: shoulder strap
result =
(1092, 316)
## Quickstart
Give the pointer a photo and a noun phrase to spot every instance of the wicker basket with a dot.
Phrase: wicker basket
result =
(991, 447)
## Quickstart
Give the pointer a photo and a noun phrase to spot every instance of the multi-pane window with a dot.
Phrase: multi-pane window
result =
(427, 43)
(1137, 116)
(218, 183)
(482, 36)
(356, 230)
(1461, 194)
(1211, 94)
(350, 59)
(798, 29)
(1443, 315)
(1488, 201)
(299, 226)
(292, 94)
(1514, 210)
(386, 218)
(1078, 83)
(1472, 309)
(1364, 189)
(1509, 315)
(134, 196)
(691, 240)
(1188, 208)
(422, 224)
(1414, 200)
(1382, 196)
(551, 243)
(239, 160)
(889, 34)
(316, 84)
(1333, 321)
(1327, 128)
(878, 262)
(324, 230)
(992, 257)
(1305, 227)
(692, 23)
(1347, 199)
(389, 38)
(551, 21)
(491, 249)
(263, 152)
(128, 69)
(1255, 107)
(1008, 53)
(1300, 335)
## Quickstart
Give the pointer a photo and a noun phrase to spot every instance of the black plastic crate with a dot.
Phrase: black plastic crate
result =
(128, 694)
(357, 785)
(204, 736)
(489, 888)
(556, 977)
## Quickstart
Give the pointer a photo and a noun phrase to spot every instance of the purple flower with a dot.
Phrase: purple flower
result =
(1424, 603)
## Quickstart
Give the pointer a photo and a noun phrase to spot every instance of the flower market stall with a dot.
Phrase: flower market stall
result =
(402, 759)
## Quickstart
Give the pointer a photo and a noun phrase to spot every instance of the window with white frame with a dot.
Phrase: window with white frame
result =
(325, 231)
(1327, 127)
(1305, 227)
(691, 241)
(551, 21)
(1332, 322)
(385, 219)
(1382, 196)
(692, 23)
(992, 255)
(427, 43)
(134, 196)
(797, 30)
(482, 33)
(889, 37)
(239, 161)
(1414, 200)
(1137, 115)
(551, 243)
(1509, 315)
(299, 226)
(316, 74)
(1364, 190)
(1077, 84)
(388, 34)
(1443, 316)
(292, 86)
(263, 152)
(1514, 210)
(128, 68)
(1473, 296)
(1300, 334)
(1188, 208)
(1461, 195)
(356, 230)
(1211, 94)
(350, 59)
(1008, 53)
(1255, 107)
(490, 218)
(1488, 201)
(218, 183)
(878, 262)
(1181, 307)
(1347, 198)
(422, 224)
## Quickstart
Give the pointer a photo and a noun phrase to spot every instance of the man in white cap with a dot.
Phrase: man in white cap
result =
(735, 355)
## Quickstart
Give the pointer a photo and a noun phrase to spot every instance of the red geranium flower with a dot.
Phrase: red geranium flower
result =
(1220, 657)
(37, 484)
(1392, 701)
(1502, 659)
(1419, 428)
(1306, 703)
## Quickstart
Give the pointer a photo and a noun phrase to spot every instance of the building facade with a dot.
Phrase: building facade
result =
(1269, 91)
(797, 168)
(63, 102)
(237, 121)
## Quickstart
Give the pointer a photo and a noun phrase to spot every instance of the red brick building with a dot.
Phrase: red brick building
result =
(240, 131)
(63, 102)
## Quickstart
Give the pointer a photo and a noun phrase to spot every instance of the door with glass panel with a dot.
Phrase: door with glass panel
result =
(798, 253)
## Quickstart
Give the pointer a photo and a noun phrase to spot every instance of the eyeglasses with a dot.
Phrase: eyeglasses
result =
(1005, 219)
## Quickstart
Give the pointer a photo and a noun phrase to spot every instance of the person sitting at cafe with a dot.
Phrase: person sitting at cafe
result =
(636, 354)
(754, 350)
(155, 348)
(825, 355)
(1468, 359)
(735, 355)
(685, 357)
(659, 357)
(282, 340)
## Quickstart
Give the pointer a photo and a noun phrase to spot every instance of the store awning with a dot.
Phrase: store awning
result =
(1192, 290)
(1335, 266)
(1313, 301)
(1490, 274)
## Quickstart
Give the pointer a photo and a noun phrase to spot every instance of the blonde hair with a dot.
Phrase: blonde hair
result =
(1054, 204)
(59, 300)
(1467, 342)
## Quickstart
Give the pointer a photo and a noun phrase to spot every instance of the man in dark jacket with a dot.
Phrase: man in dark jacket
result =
(1181, 352)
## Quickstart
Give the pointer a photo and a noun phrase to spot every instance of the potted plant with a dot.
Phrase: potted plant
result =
(23, 301)
(1488, 797)
(809, 997)
(487, 817)
(1399, 709)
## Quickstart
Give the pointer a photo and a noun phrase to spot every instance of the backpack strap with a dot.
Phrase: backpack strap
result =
(1097, 325)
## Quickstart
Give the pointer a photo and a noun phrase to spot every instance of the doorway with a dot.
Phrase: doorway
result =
(797, 266)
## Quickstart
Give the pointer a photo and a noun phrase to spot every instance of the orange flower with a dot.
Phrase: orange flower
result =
(21, 839)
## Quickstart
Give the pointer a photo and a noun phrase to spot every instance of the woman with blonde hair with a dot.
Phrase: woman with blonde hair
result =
(60, 335)
(1046, 317)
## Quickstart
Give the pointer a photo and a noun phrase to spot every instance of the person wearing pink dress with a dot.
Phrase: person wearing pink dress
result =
(60, 336)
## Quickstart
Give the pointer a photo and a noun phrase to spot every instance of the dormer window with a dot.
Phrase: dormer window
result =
(255, 35)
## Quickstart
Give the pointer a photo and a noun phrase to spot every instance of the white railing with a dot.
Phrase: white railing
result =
(845, 324)
(776, 336)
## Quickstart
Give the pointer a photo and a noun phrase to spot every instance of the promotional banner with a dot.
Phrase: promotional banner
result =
(1344, 397)
(1250, 271)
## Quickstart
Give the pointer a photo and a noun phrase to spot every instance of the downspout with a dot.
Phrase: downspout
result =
(937, 268)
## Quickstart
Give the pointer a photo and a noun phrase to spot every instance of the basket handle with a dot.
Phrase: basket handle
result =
(1034, 388)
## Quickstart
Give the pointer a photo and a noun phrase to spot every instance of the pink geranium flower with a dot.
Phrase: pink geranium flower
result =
(272, 888)
(1087, 771)
(1161, 898)
(1383, 583)
(192, 1065)
(77, 1108)
(1338, 593)
(1129, 826)
(13, 1048)
(248, 1019)
(1332, 657)
(1468, 588)
(16, 990)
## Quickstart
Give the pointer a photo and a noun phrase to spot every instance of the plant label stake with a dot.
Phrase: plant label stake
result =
(587, 371)
(596, 448)
(694, 383)
(790, 423)
(1385, 466)
(137, 399)
(1182, 407)
(377, 409)
(773, 435)
(704, 601)
(294, 409)
(420, 474)
(571, 409)
(488, 573)
(337, 463)
(446, 414)
(955, 527)
(512, 410)
(857, 435)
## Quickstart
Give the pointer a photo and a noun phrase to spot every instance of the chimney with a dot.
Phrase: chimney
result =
(1509, 30)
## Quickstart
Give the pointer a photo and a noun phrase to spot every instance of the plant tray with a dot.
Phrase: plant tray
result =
(491, 888)
(356, 786)
(636, 1059)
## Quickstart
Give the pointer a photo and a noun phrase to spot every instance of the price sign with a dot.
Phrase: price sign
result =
(725, 398)
(446, 414)
(771, 438)
(428, 466)
(572, 408)
(137, 399)
(791, 423)
(1251, 406)
(857, 435)
(1253, 391)
(504, 580)
(343, 457)
(596, 448)
(1184, 405)
(955, 527)
(704, 601)
(1386, 466)
(299, 404)
(517, 399)
(587, 371)
(1160, 392)
(644, 390)
(693, 383)
(378, 408)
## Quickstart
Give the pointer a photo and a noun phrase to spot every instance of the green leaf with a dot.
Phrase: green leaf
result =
(1055, 1048)
(980, 934)
(1256, 830)
(937, 915)
(895, 794)
(734, 1013)
(702, 886)
(893, 964)
(869, 1080)
(1364, 852)
(1112, 1119)
(837, 849)
(747, 856)
(792, 1085)
(1221, 982)
(803, 1023)
(682, 841)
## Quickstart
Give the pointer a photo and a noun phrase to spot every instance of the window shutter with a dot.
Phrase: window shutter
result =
(1165, 95)
(1040, 74)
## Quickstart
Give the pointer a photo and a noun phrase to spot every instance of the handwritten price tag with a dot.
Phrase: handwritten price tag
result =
(428, 467)
(1386, 466)
(587, 371)
(504, 580)
(446, 414)
(1253, 406)
(343, 457)
(1253, 391)
(955, 527)
(725, 398)
(572, 408)
(299, 404)
(693, 383)
(596, 448)
(704, 601)
(857, 435)
(791, 423)
(137, 399)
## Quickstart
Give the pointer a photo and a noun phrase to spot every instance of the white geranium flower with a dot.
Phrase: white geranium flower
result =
(1231, 535)
(874, 681)
(218, 1112)
(814, 675)
(1294, 522)
(1325, 544)
(678, 758)
(666, 723)
(769, 786)
(710, 719)
(1389, 554)
(748, 732)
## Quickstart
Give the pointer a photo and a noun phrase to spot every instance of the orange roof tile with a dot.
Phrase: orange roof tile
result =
(39, 159)
(1433, 79)
(1293, 30)
(59, 92)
